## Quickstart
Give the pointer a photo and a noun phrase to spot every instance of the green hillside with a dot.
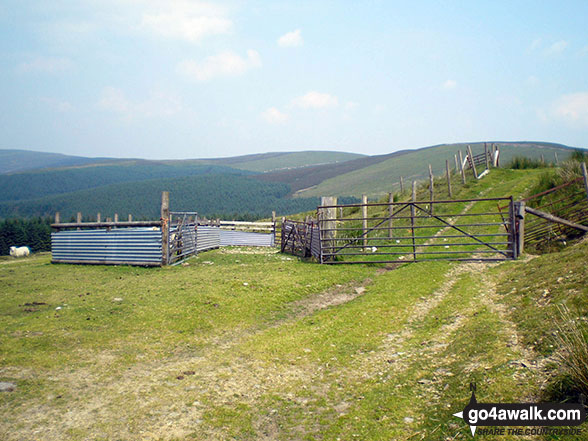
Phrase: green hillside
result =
(12, 161)
(384, 176)
(209, 195)
(266, 162)
(37, 184)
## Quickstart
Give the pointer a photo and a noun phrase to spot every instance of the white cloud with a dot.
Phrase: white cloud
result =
(572, 108)
(449, 84)
(291, 39)
(156, 105)
(185, 20)
(51, 65)
(556, 48)
(223, 64)
(315, 100)
(274, 116)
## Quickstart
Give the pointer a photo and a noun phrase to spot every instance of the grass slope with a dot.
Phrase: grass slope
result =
(251, 344)
(384, 176)
(266, 162)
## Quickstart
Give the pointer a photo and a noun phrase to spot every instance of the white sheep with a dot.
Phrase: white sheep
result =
(19, 251)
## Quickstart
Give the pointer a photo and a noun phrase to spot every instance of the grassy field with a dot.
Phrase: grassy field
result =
(248, 344)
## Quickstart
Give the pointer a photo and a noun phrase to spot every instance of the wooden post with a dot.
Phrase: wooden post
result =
(448, 177)
(556, 160)
(431, 187)
(328, 224)
(471, 158)
(401, 185)
(463, 178)
(390, 213)
(456, 164)
(164, 227)
(412, 215)
(542, 159)
(57, 218)
(512, 229)
(520, 233)
(115, 217)
(497, 160)
(130, 217)
(98, 217)
(79, 219)
(486, 156)
(364, 222)
(585, 175)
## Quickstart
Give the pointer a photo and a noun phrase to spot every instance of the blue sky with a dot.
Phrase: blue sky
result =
(189, 79)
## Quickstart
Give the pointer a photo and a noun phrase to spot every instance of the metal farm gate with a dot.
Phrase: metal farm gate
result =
(301, 238)
(395, 232)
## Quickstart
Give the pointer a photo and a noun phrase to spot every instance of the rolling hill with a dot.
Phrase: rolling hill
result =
(251, 185)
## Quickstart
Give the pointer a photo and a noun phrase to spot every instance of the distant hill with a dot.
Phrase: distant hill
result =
(208, 195)
(247, 185)
(266, 162)
(384, 174)
(21, 160)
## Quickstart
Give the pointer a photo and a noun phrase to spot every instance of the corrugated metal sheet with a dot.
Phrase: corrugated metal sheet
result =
(315, 243)
(207, 238)
(244, 238)
(133, 246)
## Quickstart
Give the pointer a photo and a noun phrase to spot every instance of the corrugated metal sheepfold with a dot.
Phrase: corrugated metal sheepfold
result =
(245, 238)
(117, 246)
(207, 238)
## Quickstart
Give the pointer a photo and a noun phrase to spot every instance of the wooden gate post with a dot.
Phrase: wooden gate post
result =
(164, 227)
(328, 223)
(473, 164)
(364, 222)
(512, 227)
(486, 156)
(412, 215)
(585, 175)
(431, 188)
(463, 178)
(448, 178)
(390, 213)
(519, 209)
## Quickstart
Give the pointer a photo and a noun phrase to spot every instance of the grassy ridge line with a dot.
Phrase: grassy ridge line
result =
(379, 178)
(266, 162)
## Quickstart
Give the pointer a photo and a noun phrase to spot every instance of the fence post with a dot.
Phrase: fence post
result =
(274, 226)
(471, 159)
(401, 185)
(79, 219)
(57, 218)
(556, 160)
(431, 188)
(520, 233)
(412, 214)
(456, 164)
(98, 217)
(130, 217)
(463, 178)
(328, 223)
(115, 217)
(364, 222)
(585, 175)
(512, 229)
(448, 177)
(390, 213)
(164, 227)
(486, 156)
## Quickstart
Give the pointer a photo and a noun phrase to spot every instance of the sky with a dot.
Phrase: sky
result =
(173, 79)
